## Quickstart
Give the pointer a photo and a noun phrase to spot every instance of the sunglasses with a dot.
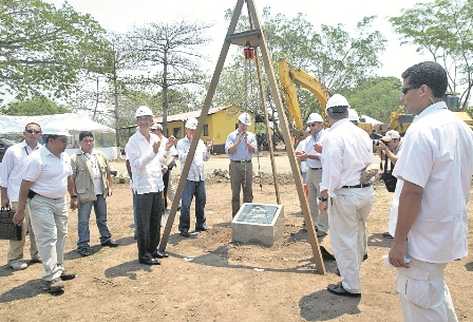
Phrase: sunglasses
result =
(404, 90)
(31, 131)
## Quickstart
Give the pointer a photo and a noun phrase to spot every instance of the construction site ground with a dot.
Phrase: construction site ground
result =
(209, 278)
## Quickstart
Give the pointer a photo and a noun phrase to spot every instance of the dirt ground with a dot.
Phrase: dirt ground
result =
(208, 278)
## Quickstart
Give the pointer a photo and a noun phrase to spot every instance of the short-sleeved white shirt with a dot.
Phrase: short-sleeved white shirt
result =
(48, 173)
(309, 149)
(437, 155)
(300, 148)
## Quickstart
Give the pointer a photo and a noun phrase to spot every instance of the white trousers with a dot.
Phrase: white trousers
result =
(424, 295)
(348, 213)
(49, 221)
(313, 188)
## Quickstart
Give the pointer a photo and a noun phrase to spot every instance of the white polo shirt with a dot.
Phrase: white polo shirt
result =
(145, 164)
(48, 173)
(309, 149)
(437, 155)
(13, 164)
(347, 150)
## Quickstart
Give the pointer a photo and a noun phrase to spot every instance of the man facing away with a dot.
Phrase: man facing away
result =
(434, 172)
(93, 184)
(195, 183)
(347, 152)
(11, 171)
(46, 179)
(240, 146)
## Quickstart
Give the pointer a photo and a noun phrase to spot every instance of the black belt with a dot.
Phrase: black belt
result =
(316, 168)
(358, 186)
(241, 161)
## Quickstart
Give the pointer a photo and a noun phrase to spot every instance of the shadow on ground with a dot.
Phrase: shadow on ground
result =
(29, 289)
(5, 271)
(469, 266)
(379, 240)
(324, 306)
(128, 269)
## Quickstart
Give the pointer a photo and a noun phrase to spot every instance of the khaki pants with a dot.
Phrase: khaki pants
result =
(241, 176)
(49, 221)
(15, 249)
(348, 213)
(319, 217)
(424, 294)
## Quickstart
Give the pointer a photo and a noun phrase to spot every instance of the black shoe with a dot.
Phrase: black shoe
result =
(85, 251)
(365, 257)
(65, 276)
(326, 255)
(185, 234)
(200, 229)
(54, 287)
(110, 243)
(158, 254)
(149, 261)
(338, 289)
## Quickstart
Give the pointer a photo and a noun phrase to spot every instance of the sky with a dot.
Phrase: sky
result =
(122, 15)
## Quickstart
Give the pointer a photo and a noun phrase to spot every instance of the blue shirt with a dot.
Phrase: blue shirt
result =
(241, 152)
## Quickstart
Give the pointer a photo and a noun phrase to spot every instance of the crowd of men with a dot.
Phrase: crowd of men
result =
(428, 225)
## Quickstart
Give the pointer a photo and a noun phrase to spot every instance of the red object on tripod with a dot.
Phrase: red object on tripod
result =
(249, 52)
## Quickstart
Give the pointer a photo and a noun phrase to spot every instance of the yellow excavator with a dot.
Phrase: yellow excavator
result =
(288, 77)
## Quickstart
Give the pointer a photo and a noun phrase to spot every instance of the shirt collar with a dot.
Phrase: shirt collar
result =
(432, 108)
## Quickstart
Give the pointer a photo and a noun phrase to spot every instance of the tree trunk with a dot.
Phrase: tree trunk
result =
(165, 94)
(115, 96)
(96, 99)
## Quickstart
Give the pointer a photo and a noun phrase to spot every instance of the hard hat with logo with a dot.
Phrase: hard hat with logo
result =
(353, 115)
(143, 111)
(191, 123)
(245, 118)
(314, 117)
(338, 103)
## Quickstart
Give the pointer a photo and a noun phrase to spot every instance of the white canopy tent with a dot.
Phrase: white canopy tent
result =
(73, 122)
(369, 119)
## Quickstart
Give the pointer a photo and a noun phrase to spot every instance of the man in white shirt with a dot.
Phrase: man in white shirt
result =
(46, 179)
(195, 183)
(314, 172)
(434, 172)
(11, 171)
(145, 151)
(300, 151)
(347, 152)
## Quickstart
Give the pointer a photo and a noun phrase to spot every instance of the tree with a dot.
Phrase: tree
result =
(442, 28)
(168, 57)
(38, 105)
(376, 97)
(43, 48)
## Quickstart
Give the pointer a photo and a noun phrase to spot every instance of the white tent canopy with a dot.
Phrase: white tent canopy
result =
(68, 121)
(369, 119)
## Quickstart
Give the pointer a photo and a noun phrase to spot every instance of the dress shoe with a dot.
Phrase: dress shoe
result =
(35, 260)
(149, 261)
(66, 276)
(110, 243)
(18, 265)
(200, 229)
(158, 254)
(54, 287)
(185, 234)
(338, 289)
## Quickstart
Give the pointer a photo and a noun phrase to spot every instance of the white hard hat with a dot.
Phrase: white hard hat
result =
(157, 126)
(245, 118)
(314, 117)
(143, 111)
(191, 123)
(337, 100)
(391, 135)
(353, 115)
(56, 131)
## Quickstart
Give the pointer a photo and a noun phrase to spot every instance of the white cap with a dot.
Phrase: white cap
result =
(314, 117)
(245, 118)
(143, 111)
(391, 135)
(337, 100)
(353, 115)
(55, 131)
(157, 126)
(191, 123)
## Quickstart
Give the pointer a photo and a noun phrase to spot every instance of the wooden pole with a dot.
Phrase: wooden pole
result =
(202, 119)
(267, 61)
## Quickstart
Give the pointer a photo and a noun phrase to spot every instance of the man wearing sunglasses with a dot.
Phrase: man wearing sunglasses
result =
(314, 172)
(46, 179)
(14, 163)
(433, 173)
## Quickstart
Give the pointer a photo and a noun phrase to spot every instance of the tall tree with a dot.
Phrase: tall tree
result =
(37, 105)
(168, 56)
(443, 29)
(43, 48)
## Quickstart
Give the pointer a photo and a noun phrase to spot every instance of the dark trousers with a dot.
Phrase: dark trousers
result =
(149, 209)
(191, 189)
(166, 184)
(241, 178)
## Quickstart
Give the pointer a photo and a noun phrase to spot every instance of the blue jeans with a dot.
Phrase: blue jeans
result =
(100, 209)
(191, 189)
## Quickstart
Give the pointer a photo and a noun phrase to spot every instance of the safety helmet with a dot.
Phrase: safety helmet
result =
(143, 111)
(314, 117)
(245, 118)
(337, 103)
(353, 115)
(191, 123)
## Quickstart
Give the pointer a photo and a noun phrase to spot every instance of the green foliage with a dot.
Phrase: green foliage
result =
(376, 97)
(43, 48)
(443, 28)
(38, 105)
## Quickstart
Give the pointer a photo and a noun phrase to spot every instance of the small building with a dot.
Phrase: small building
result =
(220, 122)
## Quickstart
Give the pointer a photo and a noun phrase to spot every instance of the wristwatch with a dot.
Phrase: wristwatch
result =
(323, 199)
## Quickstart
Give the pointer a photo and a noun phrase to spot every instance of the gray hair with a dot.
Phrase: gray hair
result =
(337, 116)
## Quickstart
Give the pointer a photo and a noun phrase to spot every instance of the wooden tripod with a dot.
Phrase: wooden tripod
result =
(255, 38)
